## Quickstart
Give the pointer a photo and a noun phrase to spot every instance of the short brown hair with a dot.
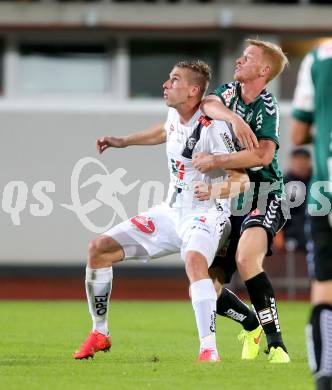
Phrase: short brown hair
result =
(274, 54)
(201, 72)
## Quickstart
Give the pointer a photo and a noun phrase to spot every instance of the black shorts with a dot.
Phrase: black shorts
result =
(319, 247)
(272, 220)
(226, 261)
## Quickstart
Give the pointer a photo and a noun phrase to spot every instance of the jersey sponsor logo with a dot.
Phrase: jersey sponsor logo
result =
(178, 169)
(228, 95)
(144, 224)
(228, 142)
(265, 316)
(235, 315)
(204, 121)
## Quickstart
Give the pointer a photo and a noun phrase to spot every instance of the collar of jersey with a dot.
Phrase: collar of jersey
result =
(253, 102)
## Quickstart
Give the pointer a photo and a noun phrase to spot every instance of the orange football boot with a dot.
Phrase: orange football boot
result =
(95, 342)
(208, 355)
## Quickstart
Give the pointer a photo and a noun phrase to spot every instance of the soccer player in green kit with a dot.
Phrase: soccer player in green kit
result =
(313, 106)
(254, 115)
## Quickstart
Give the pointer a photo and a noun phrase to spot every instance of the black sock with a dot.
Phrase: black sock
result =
(229, 305)
(262, 297)
(319, 338)
(323, 383)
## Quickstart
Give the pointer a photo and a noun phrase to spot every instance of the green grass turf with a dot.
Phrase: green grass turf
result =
(155, 346)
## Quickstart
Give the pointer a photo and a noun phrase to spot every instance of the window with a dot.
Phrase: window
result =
(69, 69)
(152, 61)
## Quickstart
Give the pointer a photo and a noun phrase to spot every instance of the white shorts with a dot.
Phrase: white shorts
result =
(163, 230)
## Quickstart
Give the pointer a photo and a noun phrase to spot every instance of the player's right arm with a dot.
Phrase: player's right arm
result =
(214, 107)
(154, 135)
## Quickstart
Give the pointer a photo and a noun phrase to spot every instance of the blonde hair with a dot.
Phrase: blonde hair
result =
(273, 53)
(200, 71)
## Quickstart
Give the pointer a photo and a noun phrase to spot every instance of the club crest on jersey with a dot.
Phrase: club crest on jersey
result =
(144, 224)
(249, 116)
(205, 121)
(171, 129)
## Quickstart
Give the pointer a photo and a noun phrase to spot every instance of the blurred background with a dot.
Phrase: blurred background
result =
(72, 71)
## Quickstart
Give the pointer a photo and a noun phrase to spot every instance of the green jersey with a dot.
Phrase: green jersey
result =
(312, 104)
(262, 115)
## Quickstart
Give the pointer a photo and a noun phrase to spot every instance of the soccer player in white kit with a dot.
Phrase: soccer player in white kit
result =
(183, 223)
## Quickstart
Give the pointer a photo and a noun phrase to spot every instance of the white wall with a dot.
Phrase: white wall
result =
(43, 142)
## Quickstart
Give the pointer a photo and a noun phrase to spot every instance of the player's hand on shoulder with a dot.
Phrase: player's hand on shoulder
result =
(202, 190)
(203, 162)
(106, 142)
(244, 133)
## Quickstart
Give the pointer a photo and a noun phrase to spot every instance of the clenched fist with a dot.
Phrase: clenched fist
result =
(106, 142)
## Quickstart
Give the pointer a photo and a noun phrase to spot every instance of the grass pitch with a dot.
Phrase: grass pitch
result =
(155, 346)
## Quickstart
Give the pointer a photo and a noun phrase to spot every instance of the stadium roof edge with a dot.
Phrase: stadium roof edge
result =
(157, 17)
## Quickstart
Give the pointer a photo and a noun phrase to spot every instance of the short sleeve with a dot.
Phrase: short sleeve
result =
(220, 138)
(226, 92)
(168, 125)
(266, 124)
(303, 102)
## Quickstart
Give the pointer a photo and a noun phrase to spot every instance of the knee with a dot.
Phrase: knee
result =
(242, 261)
(97, 248)
(196, 266)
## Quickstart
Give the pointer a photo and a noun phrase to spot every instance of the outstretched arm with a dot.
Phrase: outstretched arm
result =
(238, 181)
(213, 107)
(154, 135)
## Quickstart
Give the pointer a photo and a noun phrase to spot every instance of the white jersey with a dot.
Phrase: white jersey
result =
(183, 140)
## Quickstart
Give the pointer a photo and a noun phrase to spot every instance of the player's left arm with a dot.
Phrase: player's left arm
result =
(237, 182)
